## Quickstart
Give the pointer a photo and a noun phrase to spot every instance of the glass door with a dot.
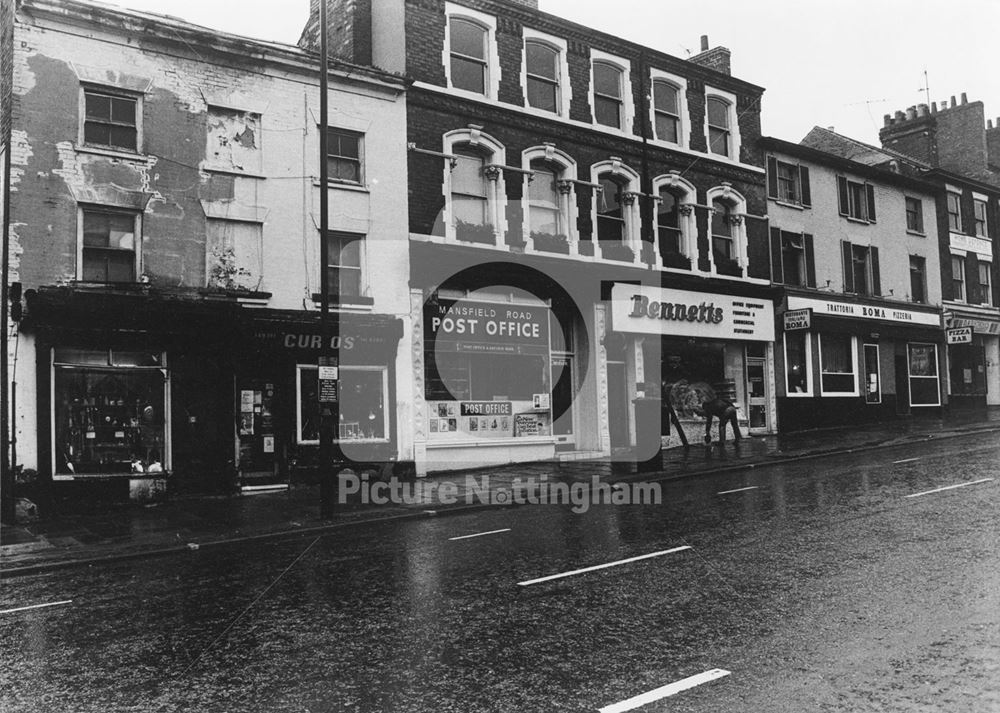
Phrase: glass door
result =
(757, 388)
(562, 399)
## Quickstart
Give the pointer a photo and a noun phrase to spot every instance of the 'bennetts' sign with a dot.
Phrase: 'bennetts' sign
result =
(656, 310)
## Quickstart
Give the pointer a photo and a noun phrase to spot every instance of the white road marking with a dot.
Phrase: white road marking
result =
(480, 534)
(905, 460)
(669, 690)
(737, 490)
(36, 606)
(948, 487)
(602, 566)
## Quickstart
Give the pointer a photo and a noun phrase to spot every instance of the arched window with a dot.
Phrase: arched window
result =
(542, 63)
(544, 213)
(723, 248)
(469, 187)
(728, 244)
(670, 238)
(473, 186)
(611, 224)
(608, 94)
(719, 126)
(469, 58)
(666, 111)
(676, 224)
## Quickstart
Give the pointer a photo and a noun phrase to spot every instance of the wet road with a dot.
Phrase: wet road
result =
(820, 586)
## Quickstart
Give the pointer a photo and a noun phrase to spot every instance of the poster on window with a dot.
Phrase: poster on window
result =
(922, 360)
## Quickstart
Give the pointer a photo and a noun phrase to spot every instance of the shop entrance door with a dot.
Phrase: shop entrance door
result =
(617, 405)
(756, 393)
(256, 440)
(562, 401)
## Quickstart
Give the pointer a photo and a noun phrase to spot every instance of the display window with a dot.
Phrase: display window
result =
(488, 370)
(364, 392)
(110, 412)
(923, 373)
(838, 365)
(798, 375)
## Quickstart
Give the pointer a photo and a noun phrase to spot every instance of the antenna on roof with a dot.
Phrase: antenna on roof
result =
(927, 87)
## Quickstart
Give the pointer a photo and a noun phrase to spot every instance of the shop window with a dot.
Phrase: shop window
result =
(108, 245)
(111, 120)
(344, 156)
(363, 398)
(918, 279)
(234, 257)
(838, 369)
(788, 182)
(798, 372)
(469, 64)
(542, 63)
(856, 199)
(979, 217)
(914, 215)
(958, 278)
(861, 269)
(954, 206)
(666, 111)
(719, 126)
(985, 287)
(344, 265)
(923, 374)
(109, 410)
(968, 365)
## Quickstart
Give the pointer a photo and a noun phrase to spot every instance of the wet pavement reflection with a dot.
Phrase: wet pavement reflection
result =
(822, 588)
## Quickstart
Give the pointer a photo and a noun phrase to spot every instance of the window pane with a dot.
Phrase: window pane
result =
(345, 281)
(341, 144)
(607, 201)
(95, 229)
(469, 210)
(836, 353)
(792, 259)
(122, 137)
(718, 113)
(722, 248)
(123, 110)
(468, 39)
(98, 106)
(720, 219)
(607, 80)
(542, 188)
(718, 141)
(121, 266)
(665, 98)
(344, 170)
(666, 128)
(468, 74)
(542, 95)
(97, 134)
(541, 60)
(607, 112)
(467, 176)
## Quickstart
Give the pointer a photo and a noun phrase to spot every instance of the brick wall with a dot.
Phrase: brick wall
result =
(961, 138)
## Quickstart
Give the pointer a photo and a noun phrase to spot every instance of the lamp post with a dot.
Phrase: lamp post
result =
(327, 393)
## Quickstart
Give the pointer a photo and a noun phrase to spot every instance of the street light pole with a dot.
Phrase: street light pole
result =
(329, 406)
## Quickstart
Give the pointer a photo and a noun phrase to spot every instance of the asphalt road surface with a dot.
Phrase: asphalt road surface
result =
(852, 583)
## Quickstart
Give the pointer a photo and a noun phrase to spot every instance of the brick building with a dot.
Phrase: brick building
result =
(855, 247)
(600, 201)
(163, 221)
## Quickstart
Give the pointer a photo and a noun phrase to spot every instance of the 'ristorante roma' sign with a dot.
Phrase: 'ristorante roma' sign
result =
(656, 310)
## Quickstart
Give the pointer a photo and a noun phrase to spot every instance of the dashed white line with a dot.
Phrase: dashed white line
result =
(669, 690)
(737, 490)
(602, 566)
(36, 606)
(905, 460)
(949, 487)
(479, 534)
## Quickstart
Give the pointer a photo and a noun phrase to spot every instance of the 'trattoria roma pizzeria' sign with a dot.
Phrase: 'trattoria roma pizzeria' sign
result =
(852, 309)
(657, 310)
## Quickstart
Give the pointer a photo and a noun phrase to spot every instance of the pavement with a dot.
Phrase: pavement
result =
(78, 535)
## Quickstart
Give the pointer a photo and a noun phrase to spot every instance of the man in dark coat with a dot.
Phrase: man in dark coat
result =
(725, 411)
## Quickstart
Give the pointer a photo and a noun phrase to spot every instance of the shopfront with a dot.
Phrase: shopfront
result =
(847, 361)
(973, 344)
(689, 346)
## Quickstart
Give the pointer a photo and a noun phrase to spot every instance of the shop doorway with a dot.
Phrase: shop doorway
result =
(257, 445)
(757, 395)
(562, 401)
(902, 385)
(618, 417)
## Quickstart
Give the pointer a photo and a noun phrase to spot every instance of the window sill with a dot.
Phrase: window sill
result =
(799, 394)
(838, 394)
(859, 221)
(343, 185)
(918, 233)
(344, 440)
(789, 204)
(359, 301)
(233, 172)
(111, 153)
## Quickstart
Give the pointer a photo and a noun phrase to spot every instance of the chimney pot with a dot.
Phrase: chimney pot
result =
(953, 102)
(965, 99)
(704, 43)
(989, 124)
(933, 107)
(900, 115)
(886, 119)
(921, 110)
(911, 112)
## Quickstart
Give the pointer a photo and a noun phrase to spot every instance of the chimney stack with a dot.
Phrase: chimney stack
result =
(704, 43)
(716, 58)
